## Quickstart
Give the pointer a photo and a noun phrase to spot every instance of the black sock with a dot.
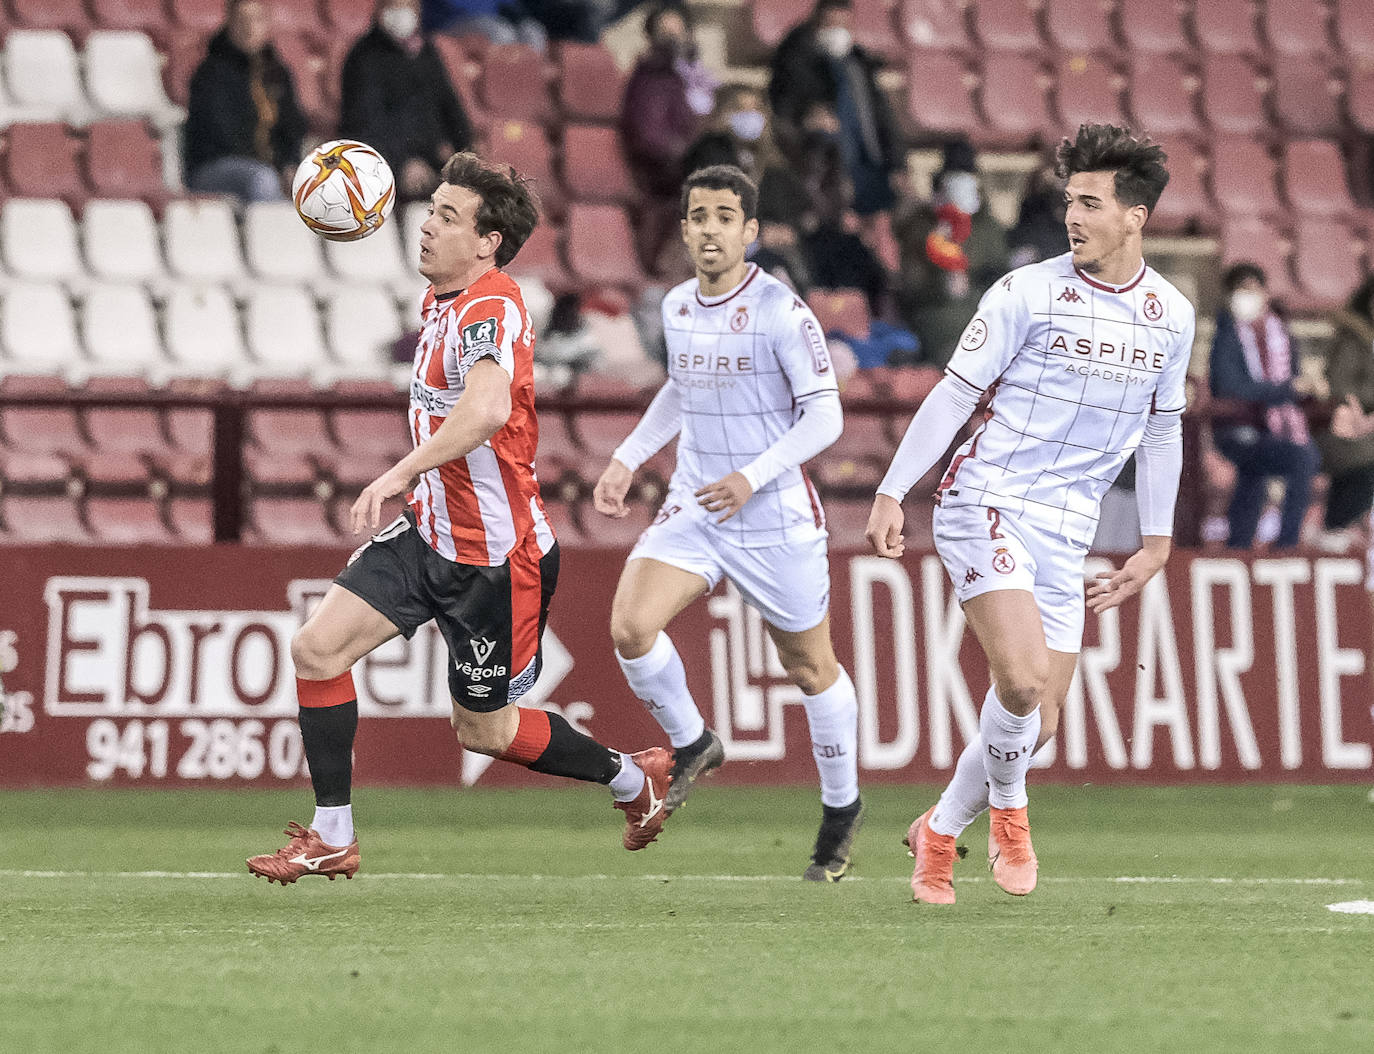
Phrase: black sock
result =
(842, 812)
(693, 748)
(327, 732)
(569, 753)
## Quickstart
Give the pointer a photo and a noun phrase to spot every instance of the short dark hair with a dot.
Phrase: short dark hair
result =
(1237, 273)
(724, 177)
(1139, 164)
(509, 205)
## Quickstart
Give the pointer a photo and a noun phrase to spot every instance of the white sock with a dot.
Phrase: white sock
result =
(629, 781)
(334, 823)
(657, 677)
(966, 797)
(1007, 744)
(834, 719)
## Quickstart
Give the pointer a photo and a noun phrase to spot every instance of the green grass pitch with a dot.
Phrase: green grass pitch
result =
(514, 922)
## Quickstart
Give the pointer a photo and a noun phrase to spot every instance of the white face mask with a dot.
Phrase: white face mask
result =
(1247, 305)
(747, 124)
(835, 41)
(399, 22)
(961, 189)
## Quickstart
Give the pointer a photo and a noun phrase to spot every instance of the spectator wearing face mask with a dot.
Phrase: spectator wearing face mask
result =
(397, 97)
(1254, 361)
(818, 63)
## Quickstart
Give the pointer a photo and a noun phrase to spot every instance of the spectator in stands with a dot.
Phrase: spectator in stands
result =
(952, 250)
(1039, 231)
(243, 125)
(500, 21)
(397, 97)
(1254, 361)
(665, 98)
(1348, 447)
(818, 63)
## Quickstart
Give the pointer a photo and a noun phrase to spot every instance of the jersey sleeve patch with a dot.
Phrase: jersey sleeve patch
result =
(479, 340)
(820, 355)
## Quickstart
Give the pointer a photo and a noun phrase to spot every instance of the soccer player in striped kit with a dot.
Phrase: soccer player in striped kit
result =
(473, 549)
(1083, 359)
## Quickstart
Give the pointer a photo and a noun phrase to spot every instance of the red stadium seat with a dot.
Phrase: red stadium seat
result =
(939, 93)
(1227, 27)
(598, 433)
(1089, 91)
(558, 455)
(541, 258)
(1360, 100)
(593, 167)
(309, 65)
(563, 520)
(858, 459)
(938, 25)
(1152, 27)
(846, 521)
(380, 432)
(68, 15)
(841, 311)
(1355, 29)
(590, 84)
(192, 519)
(1161, 96)
(1315, 179)
(204, 16)
(43, 430)
(1244, 177)
(1232, 96)
(605, 532)
(185, 51)
(1014, 102)
(600, 246)
(192, 431)
(513, 84)
(1008, 25)
(1306, 97)
(35, 520)
(524, 146)
(1328, 261)
(1298, 27)
(126, 430)
(463, 71)
(1080, 25)
(874, 29)
(1185, 202)
(296, 431)
(773, 19)
(1247, 239)
(41, 162)
(123, 160)
(348, 19)
(147, 16)
(127, 521)
(290, 521)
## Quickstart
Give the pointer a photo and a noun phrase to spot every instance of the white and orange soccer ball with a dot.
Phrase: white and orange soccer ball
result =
(344, 190)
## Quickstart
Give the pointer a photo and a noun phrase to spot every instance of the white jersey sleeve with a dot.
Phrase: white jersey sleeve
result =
(799, 346)
(487, 328)
(993, 336)
(1171, 396)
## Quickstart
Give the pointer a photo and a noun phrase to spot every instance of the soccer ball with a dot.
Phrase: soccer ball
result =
(344, 190)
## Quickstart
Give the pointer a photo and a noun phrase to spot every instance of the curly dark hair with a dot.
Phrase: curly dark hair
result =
(509, 205)
(1139, 164)
(724, 177)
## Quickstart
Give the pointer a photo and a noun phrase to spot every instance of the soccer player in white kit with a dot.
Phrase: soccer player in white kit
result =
(751, 396)
(1083, 359)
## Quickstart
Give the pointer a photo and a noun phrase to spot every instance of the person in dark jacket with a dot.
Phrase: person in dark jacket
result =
(243, 125)
(1348, 447)
(1254, 361)
(398, 98)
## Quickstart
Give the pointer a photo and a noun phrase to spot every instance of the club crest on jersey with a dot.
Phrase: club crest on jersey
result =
(1070, 296)
(820, 356)
(739, 319)
(975, 335)
(1153, 308)
(1003, 562)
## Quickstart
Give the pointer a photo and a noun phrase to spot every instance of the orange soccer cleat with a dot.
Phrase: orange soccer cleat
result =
(932, 880)
(306, 854)
(646, 813)
(1010, 856)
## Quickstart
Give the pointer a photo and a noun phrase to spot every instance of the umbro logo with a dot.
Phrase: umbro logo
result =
(1070, 296)
(482, 649)
(972, 575)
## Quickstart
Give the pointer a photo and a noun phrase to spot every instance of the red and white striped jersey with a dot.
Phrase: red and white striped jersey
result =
(476, 509)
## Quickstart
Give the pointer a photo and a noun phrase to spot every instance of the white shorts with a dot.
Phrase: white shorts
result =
(789, 585)
(984, 549)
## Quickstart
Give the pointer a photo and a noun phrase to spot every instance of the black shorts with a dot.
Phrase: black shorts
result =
(492, 618)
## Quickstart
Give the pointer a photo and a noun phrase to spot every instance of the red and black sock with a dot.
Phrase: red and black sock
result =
(545, 742)
(329, 720)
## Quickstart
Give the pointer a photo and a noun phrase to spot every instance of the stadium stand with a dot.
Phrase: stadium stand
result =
(38, 241)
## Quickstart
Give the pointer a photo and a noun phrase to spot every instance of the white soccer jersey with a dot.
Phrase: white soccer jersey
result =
(746, 362)
(1074, 367)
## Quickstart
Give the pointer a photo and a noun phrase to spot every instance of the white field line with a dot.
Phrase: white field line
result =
(1143, 880)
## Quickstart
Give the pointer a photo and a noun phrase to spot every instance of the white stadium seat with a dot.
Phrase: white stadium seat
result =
(284, 337)
(124, 78)
(119, 327)
(203, 333)
(38, 331)
(202, 241)
(375, 259)
(43, 77)
(38, 241)
(280, 248)
(412, 217)
(121, 242)
(360, 324)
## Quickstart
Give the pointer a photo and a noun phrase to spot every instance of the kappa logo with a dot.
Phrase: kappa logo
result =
(482, 649)
(1070, 296)
(972, 575)
(1003, 562)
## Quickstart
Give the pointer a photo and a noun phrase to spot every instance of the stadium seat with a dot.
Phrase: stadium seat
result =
(1306, 96)
(375, 259)
(38, 331)
(348, 19)
(124, 78)
(121, 243)
(127, 521)
(841, 311)
(1153, 28)
(294, 431)
(1298, 27)
(1315, 179)
(37, 520)
(1244, 177)
(597, 434)
(590, 84)
(1227, 27)
(192, 520)
(120, 327)
(1360, 100)
(939, 93)
(203, 334)
(123, 160)
(858, 459)
(1232, 96)
(185, 51)
(1089, 90)
(846, 521)
(558, 457)
(1328, 261)
(1355, 29)
(38, 240)
(308, 65)
(1014, 103)
(43, 430)
(409, 218)
(1185, 202)
(874, 30)
(563, 519)
(278, 247)
(40, 161)
(1247, 239)
(524, 146)
(145, 16)
(32, 471)
(513, 83)
(126, 430)
(188, 462)
(540, 257)
(202, 240)
(380, 433)
(205, 16)
(1161, 96)
(284, 336)
(1008, 25)
(771, 20)
(601, 247)
(66, 16)
(593, 167)
(360, 325)
(43, 77)
(937, 25)
(1082, 26)
(289, 521)
(606, 532)
(463, 71)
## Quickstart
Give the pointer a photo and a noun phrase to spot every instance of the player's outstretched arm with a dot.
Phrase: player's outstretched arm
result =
(661, 421)
(478, 414)
(608, 498)
(884, 532)
(1113, 588)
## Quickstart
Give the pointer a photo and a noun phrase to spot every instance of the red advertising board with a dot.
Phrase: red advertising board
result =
(171, 667)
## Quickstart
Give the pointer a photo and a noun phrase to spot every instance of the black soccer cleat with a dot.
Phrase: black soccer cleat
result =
(690, 764)
(834, 842)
